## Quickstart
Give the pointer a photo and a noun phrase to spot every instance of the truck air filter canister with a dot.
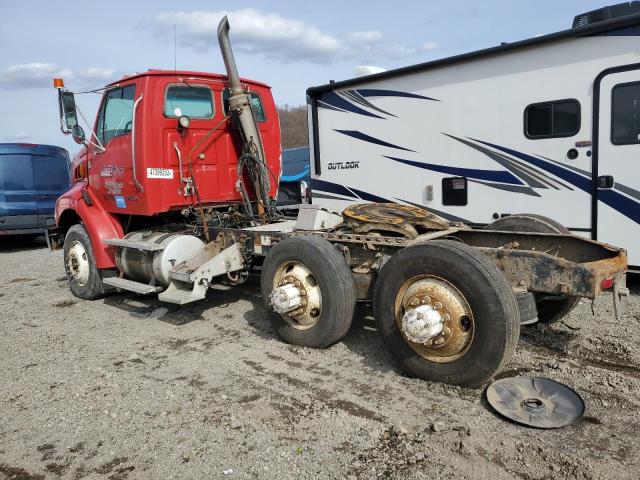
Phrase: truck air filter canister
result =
(166, 250)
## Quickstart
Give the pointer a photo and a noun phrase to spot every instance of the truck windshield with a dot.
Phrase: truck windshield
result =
(194, 101)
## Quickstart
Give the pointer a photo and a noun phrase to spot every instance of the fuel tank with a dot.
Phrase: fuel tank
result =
(153, 266)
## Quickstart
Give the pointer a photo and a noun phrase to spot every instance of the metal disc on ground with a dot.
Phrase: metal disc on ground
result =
(536, 402)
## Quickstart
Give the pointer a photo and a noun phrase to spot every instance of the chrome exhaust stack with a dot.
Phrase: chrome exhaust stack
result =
(242, 114)
(227, 55)
(239, 99)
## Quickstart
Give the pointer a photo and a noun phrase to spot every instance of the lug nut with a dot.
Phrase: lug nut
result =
(439, 341)
(437, 306)
(414, 302)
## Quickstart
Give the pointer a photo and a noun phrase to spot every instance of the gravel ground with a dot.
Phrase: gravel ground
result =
(106, 389)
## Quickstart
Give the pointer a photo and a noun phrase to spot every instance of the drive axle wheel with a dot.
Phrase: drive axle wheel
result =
(446, 313)
(85, 279)
(434, 318)
(309, 291)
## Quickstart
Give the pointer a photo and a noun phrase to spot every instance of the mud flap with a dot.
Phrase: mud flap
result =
(620, 295)
(55, 238)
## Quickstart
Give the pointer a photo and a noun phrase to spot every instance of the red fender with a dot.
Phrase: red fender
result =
(100, 224)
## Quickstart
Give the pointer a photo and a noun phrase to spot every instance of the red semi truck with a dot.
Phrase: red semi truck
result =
(175, 188)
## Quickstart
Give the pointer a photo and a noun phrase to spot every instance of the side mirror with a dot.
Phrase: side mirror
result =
(77, 133)
(68, 114)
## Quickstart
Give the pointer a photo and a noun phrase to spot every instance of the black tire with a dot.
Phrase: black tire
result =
(527, 307)
(496, 319)
(528, 222)
(551, 308)
(93, 287)
(334, 279)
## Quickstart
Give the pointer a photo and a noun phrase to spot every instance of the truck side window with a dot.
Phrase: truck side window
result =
(625, 114)
(256, 105)
(116, 116)
(560, 118)
(194, 101)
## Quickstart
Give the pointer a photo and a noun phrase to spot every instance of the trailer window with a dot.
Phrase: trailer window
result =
(256, 105)
(194, 101)
(625, 115)
(116, 115)
(560, 118)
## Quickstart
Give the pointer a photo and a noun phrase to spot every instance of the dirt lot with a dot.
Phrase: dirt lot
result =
(106, 390)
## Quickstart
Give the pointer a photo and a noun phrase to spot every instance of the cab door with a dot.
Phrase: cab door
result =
(617, 183)
(111, 170)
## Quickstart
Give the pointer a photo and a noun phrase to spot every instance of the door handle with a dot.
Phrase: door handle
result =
(605, 181)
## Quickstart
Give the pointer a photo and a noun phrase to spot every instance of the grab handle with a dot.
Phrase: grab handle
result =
(133, 144)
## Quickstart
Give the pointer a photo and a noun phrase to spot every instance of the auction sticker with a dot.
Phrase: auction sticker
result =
(159, 173)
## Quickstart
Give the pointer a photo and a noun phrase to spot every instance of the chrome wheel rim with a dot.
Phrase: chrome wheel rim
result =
(457, 333)
(78, 263)
(297, 275)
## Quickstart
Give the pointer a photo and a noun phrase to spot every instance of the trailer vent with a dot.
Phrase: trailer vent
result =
(606, 13)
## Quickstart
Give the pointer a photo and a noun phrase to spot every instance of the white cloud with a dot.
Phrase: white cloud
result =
(30, 75)
(369, 36)
(254, 32)
(398, 51)
(430, 46)
(99, 73)
(18, 137)
(276, 37)
(41, 75)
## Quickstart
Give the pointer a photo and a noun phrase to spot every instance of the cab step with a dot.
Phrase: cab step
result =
(130, 285)
(182, 293)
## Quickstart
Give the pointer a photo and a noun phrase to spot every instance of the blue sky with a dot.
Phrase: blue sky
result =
(290, 45)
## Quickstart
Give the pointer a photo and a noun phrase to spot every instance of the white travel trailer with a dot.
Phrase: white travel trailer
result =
(549, 125)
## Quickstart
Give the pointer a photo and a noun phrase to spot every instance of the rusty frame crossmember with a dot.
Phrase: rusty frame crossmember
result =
(551, 263)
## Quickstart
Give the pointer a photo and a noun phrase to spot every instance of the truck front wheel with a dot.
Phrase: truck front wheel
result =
(85, 279)
(446, 313)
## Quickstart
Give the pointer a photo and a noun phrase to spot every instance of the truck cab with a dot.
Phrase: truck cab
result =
(162, 141)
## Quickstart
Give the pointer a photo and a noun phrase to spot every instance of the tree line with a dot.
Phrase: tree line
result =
(293, 126)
